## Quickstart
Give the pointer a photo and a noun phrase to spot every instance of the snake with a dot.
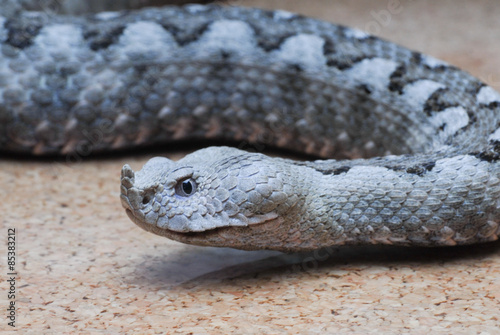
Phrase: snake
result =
(406, 146)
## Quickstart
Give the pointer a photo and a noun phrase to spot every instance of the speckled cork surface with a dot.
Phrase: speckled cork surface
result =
(84, 267)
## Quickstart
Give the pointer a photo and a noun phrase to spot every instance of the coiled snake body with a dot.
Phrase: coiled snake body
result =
(75, 85)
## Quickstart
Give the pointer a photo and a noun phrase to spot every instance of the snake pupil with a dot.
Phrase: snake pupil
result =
(186, 187)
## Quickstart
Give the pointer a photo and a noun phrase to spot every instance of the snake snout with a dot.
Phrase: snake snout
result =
(127, 183)
(132, 197)
(133, 194)
(137, 199)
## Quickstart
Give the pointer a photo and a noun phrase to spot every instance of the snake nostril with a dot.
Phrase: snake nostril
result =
(146, 199)
(147, 196)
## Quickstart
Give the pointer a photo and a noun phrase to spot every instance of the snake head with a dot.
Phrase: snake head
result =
(215, 196)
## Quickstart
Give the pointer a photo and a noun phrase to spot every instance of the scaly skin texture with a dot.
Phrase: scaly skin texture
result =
(251, 201)
(78, 85)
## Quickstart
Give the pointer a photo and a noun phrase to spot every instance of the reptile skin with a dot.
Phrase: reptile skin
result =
(75, 85)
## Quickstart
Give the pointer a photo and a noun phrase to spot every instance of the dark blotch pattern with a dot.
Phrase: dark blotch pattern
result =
(328, 47)
(102, 38)
(492, 154)
(272, 43)
(438, 102)
(22, 32)
(345, 63)
(184, 36)
(416, 57)
(474, 87)
(494, 105)
(397, 82)
(365, 88)
(420, 170)
(337, 171)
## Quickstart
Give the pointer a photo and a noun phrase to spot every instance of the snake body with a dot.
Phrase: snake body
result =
(74, 85)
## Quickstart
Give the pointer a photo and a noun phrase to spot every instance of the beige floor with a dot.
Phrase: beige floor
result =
(84, 267)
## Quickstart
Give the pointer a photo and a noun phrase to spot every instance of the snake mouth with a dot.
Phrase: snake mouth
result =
(199, 238)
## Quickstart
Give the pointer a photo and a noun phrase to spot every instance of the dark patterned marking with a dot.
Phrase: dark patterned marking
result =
(371, 38)
(295, 67)
(494, 105)
(365, 88)
(184, 36)
(103, 36)
(419, 170)
(440, 68)
(345, 62)
(437, 102)
(472, 118)
(225, 54)
(416, 57)
(491, 155)
(336, 171)
(342, 169)
(395, 167)
(21, 32)
(271, 43)
(328, 47)
(397, 83)
(473, 88)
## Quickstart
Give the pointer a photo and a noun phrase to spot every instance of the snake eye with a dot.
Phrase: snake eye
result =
(186, 187)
